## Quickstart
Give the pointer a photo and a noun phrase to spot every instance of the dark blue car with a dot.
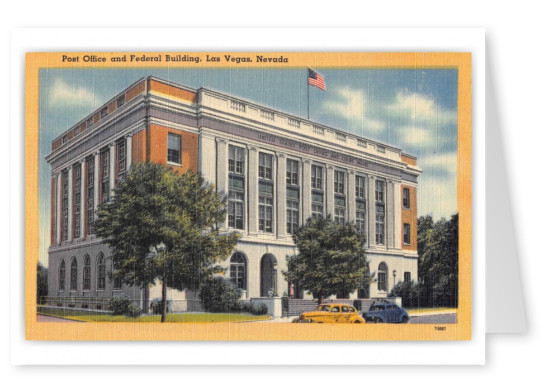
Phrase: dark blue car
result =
(386, 313)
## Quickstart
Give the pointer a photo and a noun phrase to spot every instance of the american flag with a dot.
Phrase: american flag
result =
(316, 80)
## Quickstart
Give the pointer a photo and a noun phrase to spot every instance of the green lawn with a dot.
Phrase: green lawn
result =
(190, 317)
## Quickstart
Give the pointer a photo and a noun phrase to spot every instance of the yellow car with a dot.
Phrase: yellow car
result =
(331, 313)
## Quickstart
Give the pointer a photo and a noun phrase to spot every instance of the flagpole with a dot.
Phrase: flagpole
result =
(308, 93)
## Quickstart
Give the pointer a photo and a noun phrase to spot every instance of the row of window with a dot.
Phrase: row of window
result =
(236, 178)
(89, 178)
(238, 273)
(86, 275)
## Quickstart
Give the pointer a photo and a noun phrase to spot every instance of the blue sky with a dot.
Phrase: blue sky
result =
(413, 109)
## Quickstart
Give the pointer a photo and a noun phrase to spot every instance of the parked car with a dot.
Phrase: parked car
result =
(331, 313)
(386, 313)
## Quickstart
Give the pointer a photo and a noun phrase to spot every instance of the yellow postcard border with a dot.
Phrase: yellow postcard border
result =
(462, 330)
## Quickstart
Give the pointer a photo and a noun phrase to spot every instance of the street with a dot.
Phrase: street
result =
(434, 319)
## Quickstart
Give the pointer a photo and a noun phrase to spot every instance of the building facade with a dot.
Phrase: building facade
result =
(277, 170)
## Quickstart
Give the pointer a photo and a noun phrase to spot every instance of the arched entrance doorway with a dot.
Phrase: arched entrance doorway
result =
(268, 276)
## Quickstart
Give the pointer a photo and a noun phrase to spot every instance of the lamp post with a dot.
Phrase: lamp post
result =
(394, 275)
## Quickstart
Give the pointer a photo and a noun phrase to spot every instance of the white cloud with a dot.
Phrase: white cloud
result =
(352, 104)
(412, 136)
(420, 109)
(64, 94)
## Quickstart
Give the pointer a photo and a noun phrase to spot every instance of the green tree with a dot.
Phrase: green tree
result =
(438, 248)
(41, 282)
(163, 227)
(330, 260)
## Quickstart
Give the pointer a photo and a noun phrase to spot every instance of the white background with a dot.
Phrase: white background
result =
(517, 49)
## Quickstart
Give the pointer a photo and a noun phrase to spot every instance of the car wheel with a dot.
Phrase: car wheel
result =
(357, 321)
(377, 320)
(404, 319)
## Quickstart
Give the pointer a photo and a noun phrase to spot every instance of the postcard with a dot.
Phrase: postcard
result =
(248, 196)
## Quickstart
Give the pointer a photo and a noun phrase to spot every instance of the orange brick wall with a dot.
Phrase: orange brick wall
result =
(158, 136)
(409, 216)
(167, 89)
(134, 91)
(139, 152)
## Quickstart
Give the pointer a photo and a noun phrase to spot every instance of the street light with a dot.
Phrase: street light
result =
(394, 275)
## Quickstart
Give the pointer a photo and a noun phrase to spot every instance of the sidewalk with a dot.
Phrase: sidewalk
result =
(418, 313)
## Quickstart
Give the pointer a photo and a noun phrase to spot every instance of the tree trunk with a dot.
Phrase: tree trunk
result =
(320, 298)
(163, 302)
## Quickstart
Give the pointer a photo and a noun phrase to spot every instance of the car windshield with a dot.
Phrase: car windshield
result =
(324, 308)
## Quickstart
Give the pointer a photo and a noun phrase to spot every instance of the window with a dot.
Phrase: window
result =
(90, 194)
(74, 269)
(103, 112)
(339, 182)
(360, 216)
(120, 101)
(101, 272)
(86, 271)
(292, 172)
(62, 276)
(293, 198)
(236, 186)
(379, 212)
(235, 209)
(382, 277)
(174, 148)
(380, 224)
(379, 191)
(121, 157)
(340, 209)
(65, 205)
(117, 281)
(360, 187)
(405, 198)
(406, 234)
(105, 176)
(317, 205)
(77, 182)
(317, 179)
(265, 166)
(265, 212)
(317, 192)
(236, 159)
(238, 270)
(407, 277)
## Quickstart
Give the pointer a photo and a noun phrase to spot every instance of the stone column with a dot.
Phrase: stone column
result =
(281, 201)
(129, 150)
(97, 174)
(371, 211)
(330, 191)
(207, 157)
(252, 196)
(59, 185)
(306, 191)
(70, 203)
(221, 168)
(112, 156)
(82, 196)
(351, 197)
(389, 223)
